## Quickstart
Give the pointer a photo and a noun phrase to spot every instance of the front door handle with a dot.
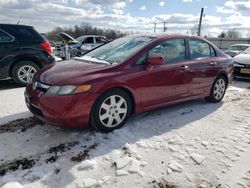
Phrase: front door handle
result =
(185, 67)
(212, 63)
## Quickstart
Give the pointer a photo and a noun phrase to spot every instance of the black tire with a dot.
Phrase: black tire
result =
(214, 97)
(23, 64)
(97, 110)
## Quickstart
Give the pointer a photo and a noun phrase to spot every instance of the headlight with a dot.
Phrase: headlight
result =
(66, 90)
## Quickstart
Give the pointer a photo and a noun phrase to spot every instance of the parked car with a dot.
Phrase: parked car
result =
(23, 51)
(236, 49)
(127, 76)
(242, 64)
(77, 47)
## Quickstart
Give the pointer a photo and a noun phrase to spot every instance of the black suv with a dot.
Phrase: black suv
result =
(22, 52)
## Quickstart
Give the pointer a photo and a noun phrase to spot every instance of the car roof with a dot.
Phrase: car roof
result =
(14, 25)
(241, 45)
(84, 36)
(164, 35)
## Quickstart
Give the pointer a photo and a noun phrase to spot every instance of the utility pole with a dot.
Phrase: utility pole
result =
(154, 27)
(164, 27)
(200, 22)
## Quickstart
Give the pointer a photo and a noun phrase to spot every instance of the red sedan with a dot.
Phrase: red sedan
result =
(127, 76)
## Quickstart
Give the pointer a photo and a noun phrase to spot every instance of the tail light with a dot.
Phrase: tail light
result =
(46, 46)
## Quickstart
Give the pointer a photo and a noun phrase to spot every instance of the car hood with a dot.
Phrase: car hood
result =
(66, 37)
(73, 72)
(242, 59)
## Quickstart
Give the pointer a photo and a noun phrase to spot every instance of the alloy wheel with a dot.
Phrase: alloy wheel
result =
(26, 73)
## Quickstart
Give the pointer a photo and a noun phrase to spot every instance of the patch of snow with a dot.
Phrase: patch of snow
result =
(88, 164)
(122, 173)
(89, 182)
(12, 185)
(135, 166)
(175, 166)
(122, 162)
(197, 158)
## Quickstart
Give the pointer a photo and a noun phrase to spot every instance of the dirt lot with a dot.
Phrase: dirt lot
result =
(193, 144)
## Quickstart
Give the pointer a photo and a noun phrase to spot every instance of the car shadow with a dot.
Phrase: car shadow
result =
(8, 84)
(140, 127)
(241, 83)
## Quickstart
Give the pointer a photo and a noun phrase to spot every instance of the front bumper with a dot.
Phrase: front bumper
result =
(242, 72)
(64, 111)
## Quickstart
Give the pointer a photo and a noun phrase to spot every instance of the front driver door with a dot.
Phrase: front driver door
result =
(168, 82)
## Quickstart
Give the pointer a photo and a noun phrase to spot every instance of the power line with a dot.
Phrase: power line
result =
(164, 26)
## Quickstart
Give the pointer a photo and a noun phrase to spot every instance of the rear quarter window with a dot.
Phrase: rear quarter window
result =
(28, 34)
(5, 37)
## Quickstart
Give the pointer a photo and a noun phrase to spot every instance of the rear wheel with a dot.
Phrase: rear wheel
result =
(23, 72)
(111, 110)
(218, 90)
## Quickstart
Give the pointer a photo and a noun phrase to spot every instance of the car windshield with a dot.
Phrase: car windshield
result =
(119, 50)
(238, 48)
(79, 39)
(247, 51)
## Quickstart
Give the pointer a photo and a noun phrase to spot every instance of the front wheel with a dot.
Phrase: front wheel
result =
(218, 90)
(111, 110)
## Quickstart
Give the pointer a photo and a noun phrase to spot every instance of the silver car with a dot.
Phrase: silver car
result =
(79, 46)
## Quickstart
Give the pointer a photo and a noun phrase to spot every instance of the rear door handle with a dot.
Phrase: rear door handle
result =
(212, 63)
(185, 67)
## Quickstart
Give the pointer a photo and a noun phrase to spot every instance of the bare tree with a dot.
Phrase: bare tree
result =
(84, 29)
(194, 29)
(233, 33)
(222, 35)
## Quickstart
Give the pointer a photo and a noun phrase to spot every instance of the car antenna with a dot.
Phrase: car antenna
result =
(19, 20)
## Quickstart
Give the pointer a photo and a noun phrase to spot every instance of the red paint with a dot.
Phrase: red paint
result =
(152, 86)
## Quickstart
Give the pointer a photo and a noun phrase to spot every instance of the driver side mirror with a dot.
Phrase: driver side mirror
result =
(156, 60)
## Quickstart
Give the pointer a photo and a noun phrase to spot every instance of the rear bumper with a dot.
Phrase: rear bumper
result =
(64, 111)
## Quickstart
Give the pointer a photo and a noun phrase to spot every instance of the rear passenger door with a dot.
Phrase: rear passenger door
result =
(203, 66)
(7, 44)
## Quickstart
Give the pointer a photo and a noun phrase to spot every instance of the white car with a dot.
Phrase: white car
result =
(236, 49)
(242, 64)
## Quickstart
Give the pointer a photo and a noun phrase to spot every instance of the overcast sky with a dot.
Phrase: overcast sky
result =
(130, 15)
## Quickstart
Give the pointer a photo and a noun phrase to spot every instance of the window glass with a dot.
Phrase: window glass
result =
(27, 34)
(141, 60)
(101, 40)
(120, 49)
(4, 37)
(238, 48)
(89, 40)
(172, 50)
(199, 49)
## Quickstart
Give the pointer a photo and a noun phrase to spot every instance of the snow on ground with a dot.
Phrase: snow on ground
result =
(193, 144)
